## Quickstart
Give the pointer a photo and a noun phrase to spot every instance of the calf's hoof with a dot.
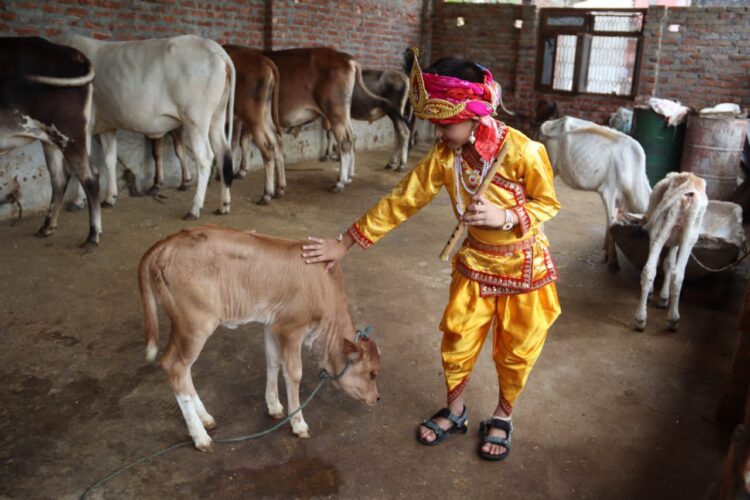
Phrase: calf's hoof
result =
(204, 444)
(640, 325)
(184, 186)
(108, 204)
(672, 325)
(279, 194)
(401, 168)
(154, 190)
(662, 303)
(209, 423)
(222, 211)
(337, 188)
(302, 433)
(276, 414)
(241, 174)
(189, 216)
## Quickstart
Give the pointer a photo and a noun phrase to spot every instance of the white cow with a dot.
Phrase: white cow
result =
(674, 219)
(153, 87)
(591, 157)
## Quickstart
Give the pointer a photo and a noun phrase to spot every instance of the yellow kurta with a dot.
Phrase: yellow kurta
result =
(505, 276)
(503, 262)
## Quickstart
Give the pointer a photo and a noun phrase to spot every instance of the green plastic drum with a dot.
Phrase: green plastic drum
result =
(662, 144)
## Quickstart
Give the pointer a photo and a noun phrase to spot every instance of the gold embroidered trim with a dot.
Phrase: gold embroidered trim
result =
(358, 237)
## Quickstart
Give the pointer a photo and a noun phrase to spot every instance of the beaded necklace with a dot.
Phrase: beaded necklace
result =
(458, 163)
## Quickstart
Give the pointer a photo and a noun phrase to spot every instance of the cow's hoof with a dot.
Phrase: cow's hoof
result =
(672, 325)
(388, 167)
(108, 204)
(89, 245)
(401, 169)
(45, 231)
(74, 207)
(337, 188)
(222, 211)
(190, 216)
(640, 325)
(278, 194)
(205, 444)
(264, 200)
(241, 174)
(349, 180)
(184, 186)
(155, 189)
(662, 303)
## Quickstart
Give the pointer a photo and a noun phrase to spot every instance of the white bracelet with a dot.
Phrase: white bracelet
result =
(508, 221)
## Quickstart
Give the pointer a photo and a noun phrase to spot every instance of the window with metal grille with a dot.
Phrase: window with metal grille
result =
(590, 51)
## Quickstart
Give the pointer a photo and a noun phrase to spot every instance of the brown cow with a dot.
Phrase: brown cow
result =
(208, 276)
(256, 112)
(46, 94)
(319, 82)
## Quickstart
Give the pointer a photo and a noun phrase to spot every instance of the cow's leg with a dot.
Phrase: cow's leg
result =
(278, 161)
(291, 352)
(266, 147)
(79, 163)
(658, 236)
(179, 149)
(157, 151)
(273, 363)
(59, 179)
(109, 147)
(223, 160)
(245, 146)
(609, 199)
(198, 143)
(668, 267)
(404, 136)
(178, 358)
(80, 200)
(400, 148)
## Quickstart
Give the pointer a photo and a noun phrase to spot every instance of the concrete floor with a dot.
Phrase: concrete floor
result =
(607, 412)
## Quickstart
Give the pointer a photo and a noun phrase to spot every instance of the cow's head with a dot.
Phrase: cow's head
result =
(359, 379)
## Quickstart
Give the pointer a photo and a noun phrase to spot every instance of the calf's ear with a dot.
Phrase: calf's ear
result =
(350, 347)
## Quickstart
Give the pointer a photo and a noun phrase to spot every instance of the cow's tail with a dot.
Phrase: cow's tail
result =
(642, 188)
(148, 301)
(275, 101)
(391, 111)
(78, 81)
(228, 168)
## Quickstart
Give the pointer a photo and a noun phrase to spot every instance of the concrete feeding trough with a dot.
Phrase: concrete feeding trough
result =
(721, 241)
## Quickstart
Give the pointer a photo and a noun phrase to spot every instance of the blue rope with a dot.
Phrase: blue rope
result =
(324, 376)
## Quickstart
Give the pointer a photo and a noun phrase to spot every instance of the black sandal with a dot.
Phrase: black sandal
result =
(484, 430)
(460, 424)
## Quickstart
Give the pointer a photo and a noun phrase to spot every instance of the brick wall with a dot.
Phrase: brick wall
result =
(374, 31)
(706, 62)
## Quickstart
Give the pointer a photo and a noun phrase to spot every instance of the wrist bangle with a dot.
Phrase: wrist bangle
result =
(508, 221)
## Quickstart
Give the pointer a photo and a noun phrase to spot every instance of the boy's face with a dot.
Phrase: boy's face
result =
(455, 135)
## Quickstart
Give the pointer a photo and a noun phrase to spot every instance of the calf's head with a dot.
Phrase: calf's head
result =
(359, 379)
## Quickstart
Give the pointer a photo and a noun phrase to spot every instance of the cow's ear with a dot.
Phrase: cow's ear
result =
(350, 347)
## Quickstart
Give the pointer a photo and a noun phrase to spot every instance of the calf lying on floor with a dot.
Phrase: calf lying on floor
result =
(207, 276)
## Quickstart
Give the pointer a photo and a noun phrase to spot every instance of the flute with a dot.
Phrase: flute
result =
(448, 248)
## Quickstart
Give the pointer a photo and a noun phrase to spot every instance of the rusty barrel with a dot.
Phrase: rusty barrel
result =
(713, 150)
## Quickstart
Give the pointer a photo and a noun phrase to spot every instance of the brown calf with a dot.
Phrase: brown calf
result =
(206, 277)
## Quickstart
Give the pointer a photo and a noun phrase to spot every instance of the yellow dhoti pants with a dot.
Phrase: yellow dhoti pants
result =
(521, 322)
